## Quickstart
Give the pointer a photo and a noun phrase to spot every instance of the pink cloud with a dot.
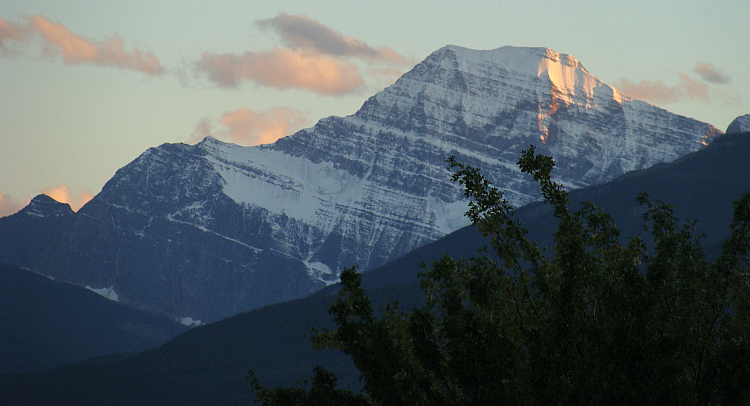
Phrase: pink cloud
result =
(648, 90)
(692, 89)
(8, 206)
(305, 33)
(248, 127)
(75, 49)
(709, 73)
(11, 33)
(62, 194)
(58, 40)
(314, 57)
(658, 92)
(283, 69)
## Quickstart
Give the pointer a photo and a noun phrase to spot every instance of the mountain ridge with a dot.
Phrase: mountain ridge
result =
(212, 229)
(208, 364)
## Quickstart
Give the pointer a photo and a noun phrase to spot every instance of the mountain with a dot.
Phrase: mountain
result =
(47, 323)
(740, 124)
(213, 229)
(207, 365)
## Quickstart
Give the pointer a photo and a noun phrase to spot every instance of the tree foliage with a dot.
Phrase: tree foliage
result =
(592, 322)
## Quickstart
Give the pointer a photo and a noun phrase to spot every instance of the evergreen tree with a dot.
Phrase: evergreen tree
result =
(594, 322)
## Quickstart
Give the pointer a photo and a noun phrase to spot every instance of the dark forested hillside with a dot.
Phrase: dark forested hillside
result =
(47, 324)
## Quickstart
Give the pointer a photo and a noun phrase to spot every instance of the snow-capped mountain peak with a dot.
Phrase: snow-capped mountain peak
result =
(564, 71)
(217, 228)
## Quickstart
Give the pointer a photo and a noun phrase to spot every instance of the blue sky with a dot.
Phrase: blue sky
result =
(87, 86)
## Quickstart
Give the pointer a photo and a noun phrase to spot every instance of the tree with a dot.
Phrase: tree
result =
(592, 322)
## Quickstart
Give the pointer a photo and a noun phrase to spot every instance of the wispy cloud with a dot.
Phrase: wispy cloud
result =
(283, 69)
(692, 89)
(8, 206)
(248, 127)
(59, 40)
(659, 92)
(709, 73)
(687, 87)
(731, 99)
(315, 57)
(62, 194)
(301, 32)
(11, 33)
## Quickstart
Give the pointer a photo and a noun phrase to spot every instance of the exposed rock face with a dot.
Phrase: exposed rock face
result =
(44, 206)
(213, 229)
(740, 124)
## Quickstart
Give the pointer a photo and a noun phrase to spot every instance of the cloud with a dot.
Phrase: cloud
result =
(203, 129)
(658, 92)
(304, 33)
(8, 206)
(733, 99)
(314, 57)
(709, 73)
(283, 69)
(385, 76)
(692, 89)
(648, 90)
(58, 40)
(61, 193)
(11, 33)
(248, 127)
(75, 49)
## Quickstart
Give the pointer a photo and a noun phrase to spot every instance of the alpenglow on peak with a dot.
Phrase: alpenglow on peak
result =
(564, 71)
(509, 71)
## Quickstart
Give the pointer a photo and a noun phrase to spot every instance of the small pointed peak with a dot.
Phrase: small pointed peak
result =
(454, 48)
(740, 124)
(42, 198)
(210, 140)
(45, 206)
(209, 144)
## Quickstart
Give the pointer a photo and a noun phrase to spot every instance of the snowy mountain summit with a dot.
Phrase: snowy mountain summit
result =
(213, 229)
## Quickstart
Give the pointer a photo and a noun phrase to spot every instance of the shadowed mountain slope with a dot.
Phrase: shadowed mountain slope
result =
(207, 365)
(46, 323)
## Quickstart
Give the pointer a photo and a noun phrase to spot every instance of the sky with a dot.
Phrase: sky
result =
(87, 86)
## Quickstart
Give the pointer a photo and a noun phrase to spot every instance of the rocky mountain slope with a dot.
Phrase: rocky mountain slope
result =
(213, 229)
(207, 365)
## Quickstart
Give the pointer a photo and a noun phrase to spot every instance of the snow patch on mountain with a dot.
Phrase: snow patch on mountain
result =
(108, 293)
(321, 272)
(188, 321)
(281, 183)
